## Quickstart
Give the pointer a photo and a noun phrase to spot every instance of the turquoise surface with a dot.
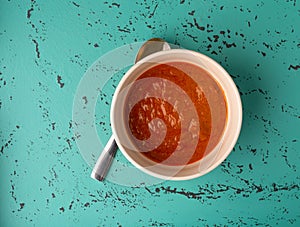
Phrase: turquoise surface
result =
(47, 46)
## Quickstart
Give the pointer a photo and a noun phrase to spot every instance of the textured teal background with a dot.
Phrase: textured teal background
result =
(45, 48)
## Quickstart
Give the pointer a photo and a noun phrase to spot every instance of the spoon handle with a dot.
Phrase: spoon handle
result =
(104, 161)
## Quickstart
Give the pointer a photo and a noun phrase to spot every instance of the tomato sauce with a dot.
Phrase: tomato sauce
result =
(191, 121)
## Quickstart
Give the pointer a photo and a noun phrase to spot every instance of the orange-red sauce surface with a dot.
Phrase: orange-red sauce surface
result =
(190, 137)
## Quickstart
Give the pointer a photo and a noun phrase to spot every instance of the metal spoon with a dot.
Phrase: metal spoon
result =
(104, 161)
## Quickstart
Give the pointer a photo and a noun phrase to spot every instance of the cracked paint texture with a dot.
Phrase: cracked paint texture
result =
(45, 48)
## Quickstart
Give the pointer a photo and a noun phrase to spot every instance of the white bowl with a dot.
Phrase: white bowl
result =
(231, 131)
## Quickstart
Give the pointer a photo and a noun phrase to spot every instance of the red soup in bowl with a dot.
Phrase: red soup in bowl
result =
(176, 113)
